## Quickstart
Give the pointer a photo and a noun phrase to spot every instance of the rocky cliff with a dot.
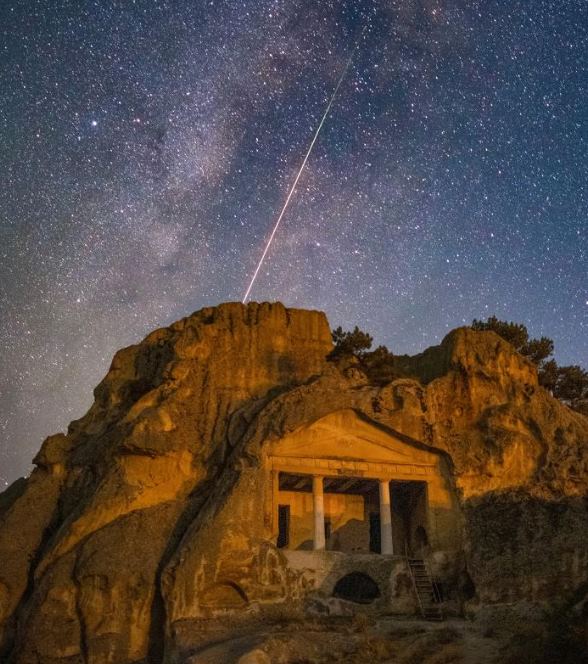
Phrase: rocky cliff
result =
(100, 545)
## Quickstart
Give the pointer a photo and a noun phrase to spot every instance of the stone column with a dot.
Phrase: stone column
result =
(387, 548)
(319, 513)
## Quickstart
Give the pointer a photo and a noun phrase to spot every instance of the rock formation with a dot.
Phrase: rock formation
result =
(102, 547)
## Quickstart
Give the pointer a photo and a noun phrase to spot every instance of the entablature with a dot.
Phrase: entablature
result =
(355, 468)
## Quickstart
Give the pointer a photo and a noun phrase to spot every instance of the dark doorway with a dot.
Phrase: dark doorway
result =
(328, 528)
(420, 538)
(375, 533)
(409, 500)
(357, 587)
(283, 526)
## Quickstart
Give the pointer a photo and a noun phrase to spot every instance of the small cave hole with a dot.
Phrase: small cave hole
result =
(357, 587)
(466, 586)
(421, 537)
(224, 595)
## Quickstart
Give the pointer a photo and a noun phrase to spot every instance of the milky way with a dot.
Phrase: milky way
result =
(146, 147)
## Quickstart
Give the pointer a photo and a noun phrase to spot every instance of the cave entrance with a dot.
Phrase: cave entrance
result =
(357, 587)
(225, 595)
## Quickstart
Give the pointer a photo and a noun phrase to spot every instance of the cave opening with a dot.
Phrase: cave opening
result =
(357, 587)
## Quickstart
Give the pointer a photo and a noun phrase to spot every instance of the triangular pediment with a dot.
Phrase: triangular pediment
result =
(345, 435)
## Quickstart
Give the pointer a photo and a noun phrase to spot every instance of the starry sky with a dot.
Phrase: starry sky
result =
(147, 146)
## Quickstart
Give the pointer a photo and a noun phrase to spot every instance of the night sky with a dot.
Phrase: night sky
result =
(146, 148)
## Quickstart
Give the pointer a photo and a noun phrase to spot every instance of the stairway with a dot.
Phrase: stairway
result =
(427, 597)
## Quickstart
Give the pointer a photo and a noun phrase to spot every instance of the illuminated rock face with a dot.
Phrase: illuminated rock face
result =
(264, 536)
(99, 515)
(225, 462)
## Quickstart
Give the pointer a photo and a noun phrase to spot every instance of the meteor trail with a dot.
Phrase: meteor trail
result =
(306, 156)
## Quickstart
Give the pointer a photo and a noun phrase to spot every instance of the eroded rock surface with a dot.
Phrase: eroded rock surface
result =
(102, 546)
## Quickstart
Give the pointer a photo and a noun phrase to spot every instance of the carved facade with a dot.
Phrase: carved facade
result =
(344, 484)
(340, 497)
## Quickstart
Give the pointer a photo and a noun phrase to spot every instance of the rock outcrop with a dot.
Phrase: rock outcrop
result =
(100, 547)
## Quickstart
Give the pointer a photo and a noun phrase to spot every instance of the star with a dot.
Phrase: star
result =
(448, 182)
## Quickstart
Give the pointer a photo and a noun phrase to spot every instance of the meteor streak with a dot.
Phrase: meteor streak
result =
(306, 156)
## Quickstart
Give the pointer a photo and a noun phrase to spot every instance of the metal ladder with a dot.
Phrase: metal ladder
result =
(426, 593)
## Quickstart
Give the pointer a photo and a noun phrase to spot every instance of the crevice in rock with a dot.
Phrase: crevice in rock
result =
(210, 498)
(156, 650)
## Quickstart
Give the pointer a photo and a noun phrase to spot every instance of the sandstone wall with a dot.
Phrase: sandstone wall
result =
(487, 412)
(103, 548)
(108, 501)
